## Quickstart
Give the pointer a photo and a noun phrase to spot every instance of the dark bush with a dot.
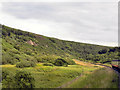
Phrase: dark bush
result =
(60, 62)
(4, 74)
(25, 64)
(48, 64)
(24, 80)
(6, 58)
(65, 65)
(17, 47)
(4, 33)
(28, 53)
(69, 61)
(14, 61)
(7, 79)
(103, 51)
(46, 59)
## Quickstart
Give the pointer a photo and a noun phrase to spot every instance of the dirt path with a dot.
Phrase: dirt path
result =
(70, 82)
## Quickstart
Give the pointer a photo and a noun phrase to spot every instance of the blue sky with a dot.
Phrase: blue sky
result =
(88, 22)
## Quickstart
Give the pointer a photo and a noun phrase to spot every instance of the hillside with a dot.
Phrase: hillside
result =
(44, 62)
(18, 45)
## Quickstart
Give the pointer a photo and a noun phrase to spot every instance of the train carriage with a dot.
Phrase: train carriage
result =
(115, 64)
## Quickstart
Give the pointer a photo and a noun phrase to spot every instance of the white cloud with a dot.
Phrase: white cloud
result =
(83, 22)
(59, 0)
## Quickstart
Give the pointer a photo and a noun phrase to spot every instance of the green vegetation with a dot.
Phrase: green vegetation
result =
(48, 64)
(31, 60)
(24, 80)
(25, 64)
(7, 78)
(101, 78)
(20, 46)
(21, 79)
(45, 76)
(60, 62)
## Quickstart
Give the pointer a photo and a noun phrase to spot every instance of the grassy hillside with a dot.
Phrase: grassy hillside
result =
(20, 46)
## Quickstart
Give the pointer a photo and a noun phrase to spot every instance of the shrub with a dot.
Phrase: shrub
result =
(65, 65)
(14, 61)
(24, 80)
(17, 47)
(7, 79)
(60, 62)
(103, 51)
(25, 64)
(48, 64)
(4, 74)
(69, 61)
(47, 59)
(4, 33)
(6, 58)
(28, 53)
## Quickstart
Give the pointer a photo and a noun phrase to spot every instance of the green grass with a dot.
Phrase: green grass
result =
(16, 47)
(101, 78)
(51, 77)
(106, 64)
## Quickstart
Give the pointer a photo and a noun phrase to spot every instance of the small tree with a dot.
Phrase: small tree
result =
(48, 64)
(103, 51)
(7, 80)
(23, 64)
(60, 62)
(24, 80)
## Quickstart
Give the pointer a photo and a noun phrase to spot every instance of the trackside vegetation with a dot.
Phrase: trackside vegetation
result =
(101, 78)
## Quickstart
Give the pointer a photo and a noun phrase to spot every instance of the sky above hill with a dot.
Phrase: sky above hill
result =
(88, 22)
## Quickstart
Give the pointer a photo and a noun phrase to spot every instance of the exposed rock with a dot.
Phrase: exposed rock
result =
(31, 43)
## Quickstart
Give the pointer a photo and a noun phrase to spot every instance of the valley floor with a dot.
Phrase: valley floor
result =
(82, 75)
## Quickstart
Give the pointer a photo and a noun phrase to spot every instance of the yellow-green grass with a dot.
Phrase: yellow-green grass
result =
(51, 77)
(101, 78)
(108, 65)
(7, 65)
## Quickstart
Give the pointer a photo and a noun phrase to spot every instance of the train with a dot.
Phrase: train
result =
(116, 64)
